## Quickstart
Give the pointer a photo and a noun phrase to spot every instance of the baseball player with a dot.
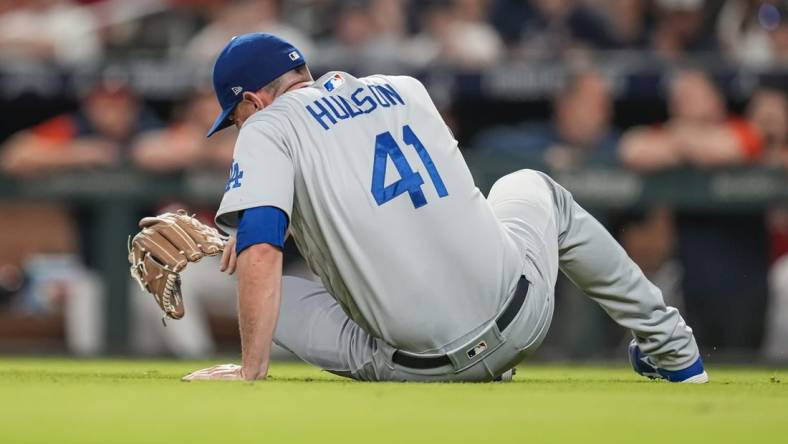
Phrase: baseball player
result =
(423, 279)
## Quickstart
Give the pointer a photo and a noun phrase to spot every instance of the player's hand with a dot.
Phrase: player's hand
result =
(229, 258)
(222, 372)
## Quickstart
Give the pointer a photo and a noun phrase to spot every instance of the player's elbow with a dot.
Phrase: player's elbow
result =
(261, 252)
(260, 263)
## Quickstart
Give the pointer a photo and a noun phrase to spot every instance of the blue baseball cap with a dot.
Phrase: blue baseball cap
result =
(248, 63)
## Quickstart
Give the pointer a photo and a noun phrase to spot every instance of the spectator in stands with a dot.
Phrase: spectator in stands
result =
(50, 30)
(779, 40)
(768, 112)
(580, 132)
(626, 24)
(456, 34)
(98, 135)
(390, 24)
(679, 28)
(182, 145)
(700, 131)
(153, 29)
(754, 32)
(547, 28)
(240, 17)
(472, 41)
(367, 36)
(740, 32)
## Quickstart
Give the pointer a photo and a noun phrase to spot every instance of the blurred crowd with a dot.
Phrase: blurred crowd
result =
(717, 266)
(416, 33)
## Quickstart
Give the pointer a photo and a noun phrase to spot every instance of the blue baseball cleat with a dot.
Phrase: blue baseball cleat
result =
(644, 366)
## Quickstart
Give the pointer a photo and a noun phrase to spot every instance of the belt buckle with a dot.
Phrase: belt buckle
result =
(477, 349)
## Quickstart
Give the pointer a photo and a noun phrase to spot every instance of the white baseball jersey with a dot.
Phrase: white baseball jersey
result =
(381, 205)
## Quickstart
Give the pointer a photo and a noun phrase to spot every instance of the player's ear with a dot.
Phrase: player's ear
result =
(253, 99)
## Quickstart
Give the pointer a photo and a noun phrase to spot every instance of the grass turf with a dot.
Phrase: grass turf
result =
(108, 401)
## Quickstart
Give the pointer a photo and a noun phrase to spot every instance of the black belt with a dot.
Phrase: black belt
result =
(504, 319)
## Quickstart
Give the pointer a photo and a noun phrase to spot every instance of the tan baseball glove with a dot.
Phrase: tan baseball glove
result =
(166, 244)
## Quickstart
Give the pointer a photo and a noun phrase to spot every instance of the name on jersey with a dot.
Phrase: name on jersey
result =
(328, 111)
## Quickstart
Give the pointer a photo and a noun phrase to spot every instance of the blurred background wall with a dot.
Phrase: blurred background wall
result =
(667, 118)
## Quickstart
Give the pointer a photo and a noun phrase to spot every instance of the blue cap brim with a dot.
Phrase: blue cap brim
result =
(221, 122)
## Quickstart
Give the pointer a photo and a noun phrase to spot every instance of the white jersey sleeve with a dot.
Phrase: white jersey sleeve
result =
(261, 174)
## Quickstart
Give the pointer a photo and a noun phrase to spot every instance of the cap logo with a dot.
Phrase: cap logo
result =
(294, 55)
(236, 90)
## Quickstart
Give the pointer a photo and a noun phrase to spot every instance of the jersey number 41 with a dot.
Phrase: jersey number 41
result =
(386, 147)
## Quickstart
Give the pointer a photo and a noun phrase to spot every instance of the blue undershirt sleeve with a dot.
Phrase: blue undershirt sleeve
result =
(261, 225)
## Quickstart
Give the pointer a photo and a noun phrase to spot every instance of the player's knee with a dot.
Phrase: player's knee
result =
(507, 181)
(514, 185)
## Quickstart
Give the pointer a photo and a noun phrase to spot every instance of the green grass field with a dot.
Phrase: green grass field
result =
(108, 401)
